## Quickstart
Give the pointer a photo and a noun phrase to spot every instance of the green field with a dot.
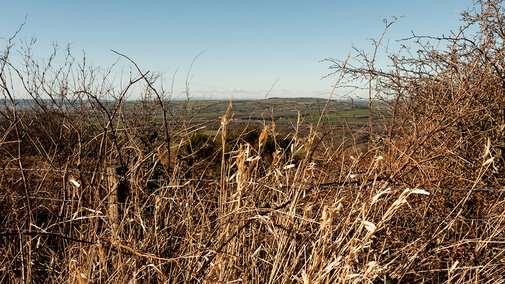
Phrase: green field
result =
(284, 111)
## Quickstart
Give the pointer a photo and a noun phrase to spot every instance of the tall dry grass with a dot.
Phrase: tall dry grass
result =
(416, 205)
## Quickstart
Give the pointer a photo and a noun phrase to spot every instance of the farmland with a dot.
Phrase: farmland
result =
(284, 113)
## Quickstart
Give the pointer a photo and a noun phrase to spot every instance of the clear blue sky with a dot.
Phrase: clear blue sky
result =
(248, 44)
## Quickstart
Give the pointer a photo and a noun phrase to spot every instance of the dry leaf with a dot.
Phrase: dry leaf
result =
(370, 226)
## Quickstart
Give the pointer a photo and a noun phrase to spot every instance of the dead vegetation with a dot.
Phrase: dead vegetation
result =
(423, 202)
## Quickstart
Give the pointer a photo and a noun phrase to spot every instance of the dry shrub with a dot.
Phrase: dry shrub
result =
(445, 104)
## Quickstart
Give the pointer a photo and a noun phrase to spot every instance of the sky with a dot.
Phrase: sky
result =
(246, 47)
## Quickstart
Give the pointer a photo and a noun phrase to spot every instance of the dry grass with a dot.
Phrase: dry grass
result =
(313, 211)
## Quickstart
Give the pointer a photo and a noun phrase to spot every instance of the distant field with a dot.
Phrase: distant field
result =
(284, 111)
